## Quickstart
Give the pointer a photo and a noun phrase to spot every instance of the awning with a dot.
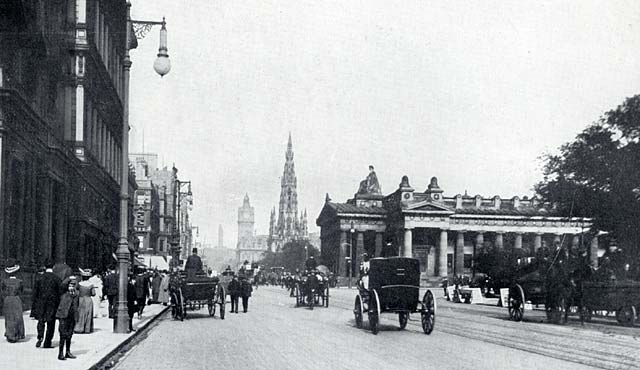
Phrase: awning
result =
(155, 262)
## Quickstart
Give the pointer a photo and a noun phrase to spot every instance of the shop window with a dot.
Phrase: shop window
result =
(467, 260)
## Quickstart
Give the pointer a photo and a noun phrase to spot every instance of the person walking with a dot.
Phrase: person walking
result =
(46, 295)
(38, 276)
(245, 292)
(96, 281)
(132, 303)
(164, 296)
(86, 290)
(234, 291)
(11, 289)
(156, 281)
(66, 315)
(111, 291)
(142, 291)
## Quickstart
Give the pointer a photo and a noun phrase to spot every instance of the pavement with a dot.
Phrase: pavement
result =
(274, 334)
(90, 349)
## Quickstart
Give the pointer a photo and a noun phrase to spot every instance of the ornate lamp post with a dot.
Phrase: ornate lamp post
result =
(162, 66)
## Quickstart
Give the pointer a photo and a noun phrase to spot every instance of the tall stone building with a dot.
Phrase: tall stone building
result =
(61, 123)
(289, 225)
(250, 246)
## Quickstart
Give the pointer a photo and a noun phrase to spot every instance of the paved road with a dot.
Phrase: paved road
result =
(275, 335)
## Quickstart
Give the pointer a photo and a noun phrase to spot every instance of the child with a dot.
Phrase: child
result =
(67, 316)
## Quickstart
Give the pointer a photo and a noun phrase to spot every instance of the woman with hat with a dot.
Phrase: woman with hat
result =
(85, 305)
(12, 306)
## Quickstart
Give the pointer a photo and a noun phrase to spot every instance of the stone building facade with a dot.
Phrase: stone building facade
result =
(250, 247)
(445, 233)
(61, 123)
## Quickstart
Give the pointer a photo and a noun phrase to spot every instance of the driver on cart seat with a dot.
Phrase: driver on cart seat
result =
(363, 283)
(310, 264)
(194, 264)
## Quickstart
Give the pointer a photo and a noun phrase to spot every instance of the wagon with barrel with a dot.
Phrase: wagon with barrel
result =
(194, 292)
(312, 289)
(392, 285)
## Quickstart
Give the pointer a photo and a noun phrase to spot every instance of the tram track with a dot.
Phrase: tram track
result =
(586, 351)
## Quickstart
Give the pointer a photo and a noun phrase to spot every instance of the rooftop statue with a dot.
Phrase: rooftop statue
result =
(370, 185)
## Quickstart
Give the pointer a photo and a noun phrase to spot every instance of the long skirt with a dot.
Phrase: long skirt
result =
(96, 299)
(13, 321)
(85, 316)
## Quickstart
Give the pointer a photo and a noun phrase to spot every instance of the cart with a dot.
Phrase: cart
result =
(393, 286)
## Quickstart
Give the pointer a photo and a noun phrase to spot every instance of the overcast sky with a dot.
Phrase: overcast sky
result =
(471, 92)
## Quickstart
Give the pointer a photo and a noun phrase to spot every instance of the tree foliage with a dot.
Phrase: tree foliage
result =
(598, 175)
(291, 257)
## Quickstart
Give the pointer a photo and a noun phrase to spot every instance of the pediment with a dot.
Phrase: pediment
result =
(428, 207)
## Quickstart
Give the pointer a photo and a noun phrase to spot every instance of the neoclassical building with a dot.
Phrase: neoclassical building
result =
(443, 232)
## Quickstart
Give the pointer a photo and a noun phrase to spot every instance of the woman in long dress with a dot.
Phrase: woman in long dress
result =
(96, 281)
(12, 305)
(86, 290)
(164, 289)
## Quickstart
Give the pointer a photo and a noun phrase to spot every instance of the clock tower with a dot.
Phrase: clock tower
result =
(246, 224)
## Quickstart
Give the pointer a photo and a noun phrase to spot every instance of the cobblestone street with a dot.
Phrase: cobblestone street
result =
(276, 335)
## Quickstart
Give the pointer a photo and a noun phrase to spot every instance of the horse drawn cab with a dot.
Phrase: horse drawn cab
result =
(195, 290)
(393, 285)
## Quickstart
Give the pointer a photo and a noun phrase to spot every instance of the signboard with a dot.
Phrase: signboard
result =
(504, 297)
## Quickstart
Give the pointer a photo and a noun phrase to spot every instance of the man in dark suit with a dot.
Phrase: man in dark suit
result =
(47, 291)
(234, 291)
(245, 293)
(110, 289)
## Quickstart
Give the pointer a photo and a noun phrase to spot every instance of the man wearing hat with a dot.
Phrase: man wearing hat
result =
(245, 293)
(46, 293)
(11, 288)
(110, 289)
(194, 263)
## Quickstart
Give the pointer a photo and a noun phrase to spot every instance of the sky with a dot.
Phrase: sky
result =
(473, 93)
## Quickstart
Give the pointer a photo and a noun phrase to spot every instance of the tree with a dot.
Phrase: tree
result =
(598, 175)
(291, 257)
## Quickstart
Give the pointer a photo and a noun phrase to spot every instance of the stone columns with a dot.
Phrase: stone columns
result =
(343, 252)
(575, 242)
(593, 252)
(479, 241)
(407, 250)
(459, 254)
(557, 241)
(359, 249)
(442, 254)
(499, 241)
(378, 249)
(518, 242)
(537, 242)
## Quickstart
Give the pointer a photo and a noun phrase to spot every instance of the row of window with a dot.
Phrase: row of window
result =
(99, 139)
(106, 44)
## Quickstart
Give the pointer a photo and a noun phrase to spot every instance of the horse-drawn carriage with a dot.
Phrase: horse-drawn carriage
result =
(394, 286)
(565, 286)
(195, 291)
(312, 289)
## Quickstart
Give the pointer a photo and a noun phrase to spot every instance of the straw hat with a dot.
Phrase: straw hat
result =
(85, 272)
(12, 267)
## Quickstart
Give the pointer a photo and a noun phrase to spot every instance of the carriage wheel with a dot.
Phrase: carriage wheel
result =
(311, 299)
(626, 315)
(555, 312)
(357, 311)
(428, 314)
(326, 296)
(516, 303)
(403, 317)
(374, 317)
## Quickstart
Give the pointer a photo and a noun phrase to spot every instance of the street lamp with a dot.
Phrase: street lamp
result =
(162, 67)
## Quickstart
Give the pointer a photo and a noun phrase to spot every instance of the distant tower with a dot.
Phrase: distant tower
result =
(245, 224)
(220, 237)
